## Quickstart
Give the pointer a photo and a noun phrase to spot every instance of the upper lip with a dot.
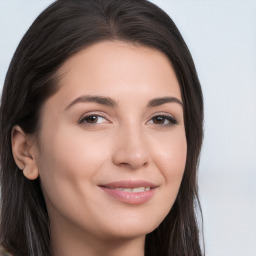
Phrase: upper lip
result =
(129, 184)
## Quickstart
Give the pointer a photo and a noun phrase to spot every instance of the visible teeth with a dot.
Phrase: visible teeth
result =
(140, 189)
(128, 190)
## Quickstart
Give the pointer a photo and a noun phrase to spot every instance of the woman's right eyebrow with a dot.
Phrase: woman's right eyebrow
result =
(90, 98)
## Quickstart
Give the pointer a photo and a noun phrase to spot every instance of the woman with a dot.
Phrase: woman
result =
(101, 130)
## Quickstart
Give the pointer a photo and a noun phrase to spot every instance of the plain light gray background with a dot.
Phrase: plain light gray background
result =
(221, 36)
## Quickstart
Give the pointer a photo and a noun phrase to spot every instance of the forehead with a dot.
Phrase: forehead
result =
(109, 68)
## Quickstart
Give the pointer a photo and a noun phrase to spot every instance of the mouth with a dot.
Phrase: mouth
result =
(130, 192)
(133, 190)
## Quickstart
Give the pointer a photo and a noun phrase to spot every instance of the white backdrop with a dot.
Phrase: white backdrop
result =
(222, 38)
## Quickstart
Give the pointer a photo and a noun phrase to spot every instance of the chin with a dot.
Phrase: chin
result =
(131, 229)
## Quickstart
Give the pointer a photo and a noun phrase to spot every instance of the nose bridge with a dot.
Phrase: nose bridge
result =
(131, 146)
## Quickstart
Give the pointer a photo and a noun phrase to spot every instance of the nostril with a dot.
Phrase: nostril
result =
(133, 163)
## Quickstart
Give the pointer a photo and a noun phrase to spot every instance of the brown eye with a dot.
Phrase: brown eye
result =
(93, 119)
(158, 120)
(163, 120)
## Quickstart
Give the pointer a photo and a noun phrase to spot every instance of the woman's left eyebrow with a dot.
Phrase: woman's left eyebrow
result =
(160, 101)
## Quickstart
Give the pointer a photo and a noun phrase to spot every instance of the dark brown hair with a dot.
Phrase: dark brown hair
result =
(63, 29)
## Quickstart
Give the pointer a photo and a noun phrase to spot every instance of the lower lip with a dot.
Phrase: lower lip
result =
(130, 197)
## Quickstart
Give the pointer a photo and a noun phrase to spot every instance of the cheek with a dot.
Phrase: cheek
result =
(71, 152)
(173, 159)
(68, 162)
(170, 159)
(171, 151)
(71, 160)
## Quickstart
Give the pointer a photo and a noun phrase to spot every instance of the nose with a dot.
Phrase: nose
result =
(131, 149)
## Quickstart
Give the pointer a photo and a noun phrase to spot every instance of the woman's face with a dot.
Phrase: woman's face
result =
(112, 142)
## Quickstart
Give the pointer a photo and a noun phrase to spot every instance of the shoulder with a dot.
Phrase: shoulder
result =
(3, 252)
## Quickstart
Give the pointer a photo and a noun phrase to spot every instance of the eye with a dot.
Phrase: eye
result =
(93, 119)
(163, 120)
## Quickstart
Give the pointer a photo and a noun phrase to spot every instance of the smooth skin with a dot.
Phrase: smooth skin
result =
(106, 124)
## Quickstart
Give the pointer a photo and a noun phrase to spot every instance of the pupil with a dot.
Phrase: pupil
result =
(91, 119)
(159, 120)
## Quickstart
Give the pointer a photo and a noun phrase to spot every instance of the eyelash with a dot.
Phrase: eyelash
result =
(169, 118)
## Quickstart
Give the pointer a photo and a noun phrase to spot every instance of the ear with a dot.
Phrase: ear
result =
(24, 153)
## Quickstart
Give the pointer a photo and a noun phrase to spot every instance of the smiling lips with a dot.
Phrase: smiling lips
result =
(130, 192)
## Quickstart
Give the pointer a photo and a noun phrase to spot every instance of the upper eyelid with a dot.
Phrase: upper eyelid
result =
(162, 114)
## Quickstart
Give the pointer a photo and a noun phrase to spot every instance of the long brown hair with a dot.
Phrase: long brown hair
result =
(63, 29)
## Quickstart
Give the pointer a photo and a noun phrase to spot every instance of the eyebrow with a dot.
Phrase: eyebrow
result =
(97, 99)
(112, 103)
(160, 101)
